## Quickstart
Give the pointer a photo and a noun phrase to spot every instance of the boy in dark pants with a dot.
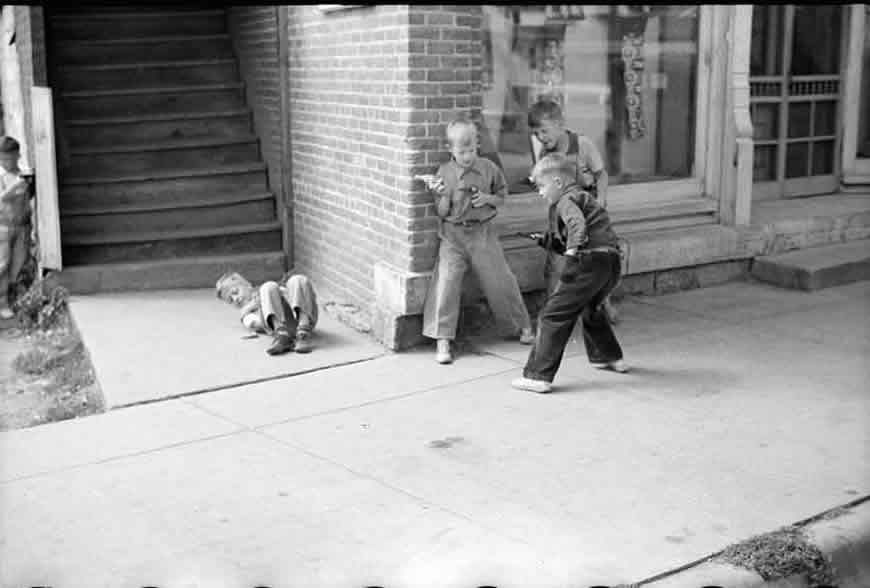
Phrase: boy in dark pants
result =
(580, 227)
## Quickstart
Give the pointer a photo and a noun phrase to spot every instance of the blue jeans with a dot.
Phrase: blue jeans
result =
(577, 297)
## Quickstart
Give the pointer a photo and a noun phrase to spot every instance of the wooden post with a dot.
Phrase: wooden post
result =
(285, 208)
(14, 119)
(47, 209)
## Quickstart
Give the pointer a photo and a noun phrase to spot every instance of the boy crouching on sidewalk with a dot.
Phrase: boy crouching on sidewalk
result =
(288, 312)
(592, 267)
(468, 189)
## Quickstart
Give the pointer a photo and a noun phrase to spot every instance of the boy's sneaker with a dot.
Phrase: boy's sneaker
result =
(539, 386)
(6, 314)
(618, 366)
(442, 353)
(527, 337)
(303, 342)
(282, 343)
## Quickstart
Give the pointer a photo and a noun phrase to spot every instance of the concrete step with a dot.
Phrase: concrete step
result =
(185, 272)
(816, 267)
(125, 130)
(143, 49)
(198, 153)
(159, 74)
(85, 249)
(160, 187)
(136, 101)
(116, 24)
(193, 213)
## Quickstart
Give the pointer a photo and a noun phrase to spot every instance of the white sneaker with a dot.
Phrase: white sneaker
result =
(618, 366)
(527, 337)
(6, 314)
(539, 386)
(442, 354)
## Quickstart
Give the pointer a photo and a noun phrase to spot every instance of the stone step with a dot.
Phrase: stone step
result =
(815, 268)
(160, 187)
(112, 161)
(121, 130)
(158, 74)
(191, 213)
(143, 49)
(122, 23)
(136, 101)
(185, 272)
(82, 249)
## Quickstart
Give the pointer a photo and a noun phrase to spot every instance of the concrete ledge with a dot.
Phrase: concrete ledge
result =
(843, 536)
(817, 267)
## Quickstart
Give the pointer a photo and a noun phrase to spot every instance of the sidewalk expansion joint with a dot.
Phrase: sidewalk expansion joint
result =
(244, 383)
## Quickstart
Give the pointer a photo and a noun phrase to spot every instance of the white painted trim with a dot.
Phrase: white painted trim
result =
(852, 67)
(706, 15)
(47, 210)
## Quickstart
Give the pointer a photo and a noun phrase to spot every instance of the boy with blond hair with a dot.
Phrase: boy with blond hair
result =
(468, 190)
(15, 222)
(580, 227)
(288, 312)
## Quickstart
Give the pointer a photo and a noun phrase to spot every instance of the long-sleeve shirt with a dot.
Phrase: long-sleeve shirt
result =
(462, 183)
(579, 221)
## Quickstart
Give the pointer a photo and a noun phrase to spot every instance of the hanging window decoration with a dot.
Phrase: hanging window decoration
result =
(632, 57)
(551, 73)
(564, 12)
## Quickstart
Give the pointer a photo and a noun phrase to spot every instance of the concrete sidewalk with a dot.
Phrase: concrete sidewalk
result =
(747, 409)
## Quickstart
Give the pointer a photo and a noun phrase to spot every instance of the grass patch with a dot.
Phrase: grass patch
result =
(780, 554)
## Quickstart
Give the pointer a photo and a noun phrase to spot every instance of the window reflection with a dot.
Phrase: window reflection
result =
(625, 76)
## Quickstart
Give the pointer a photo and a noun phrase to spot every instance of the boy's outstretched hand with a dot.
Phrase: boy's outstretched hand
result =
(432, 181)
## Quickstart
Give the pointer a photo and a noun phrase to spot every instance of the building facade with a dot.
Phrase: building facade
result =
(699, 111)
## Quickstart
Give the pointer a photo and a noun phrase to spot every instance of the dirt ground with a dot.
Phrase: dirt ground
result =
(45, 376)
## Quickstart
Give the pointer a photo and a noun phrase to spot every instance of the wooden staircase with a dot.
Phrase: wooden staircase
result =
(162, 184)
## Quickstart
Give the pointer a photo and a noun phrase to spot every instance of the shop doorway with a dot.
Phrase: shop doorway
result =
(795, 88)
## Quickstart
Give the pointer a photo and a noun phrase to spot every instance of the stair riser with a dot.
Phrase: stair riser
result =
(173, 248)
(153, 103)
(222, 215)
(70, 53)
(160, 191)
(137, 132)
(73, 79)
(200, 273)
(113, 164)
(142, 25)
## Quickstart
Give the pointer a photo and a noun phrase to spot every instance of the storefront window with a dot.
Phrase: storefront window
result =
(624, 75)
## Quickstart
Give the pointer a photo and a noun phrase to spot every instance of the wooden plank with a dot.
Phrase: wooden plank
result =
(47, 211)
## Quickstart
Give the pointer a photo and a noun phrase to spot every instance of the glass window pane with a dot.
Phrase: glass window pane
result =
(826, 118)
(624, 76)
(816, 40)
(766, 47)
(823, 158)
(797, 160)
(799, 119)
(764, 163)
(765, 120)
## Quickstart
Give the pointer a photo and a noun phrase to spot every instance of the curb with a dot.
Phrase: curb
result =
(842, 534)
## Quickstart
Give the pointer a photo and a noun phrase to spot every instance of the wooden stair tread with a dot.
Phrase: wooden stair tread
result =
(166, 145)
(141, 40)
(168, 116)
(144, 64)
(195, 202)
(120, 14)
(156, 90)
(166, 174)
(129, 237)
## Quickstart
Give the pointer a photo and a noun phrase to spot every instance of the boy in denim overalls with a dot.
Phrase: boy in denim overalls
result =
(15, 223)
(468, 189)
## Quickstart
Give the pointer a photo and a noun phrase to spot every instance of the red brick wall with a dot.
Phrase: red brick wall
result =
(371, 90)
(254, 31)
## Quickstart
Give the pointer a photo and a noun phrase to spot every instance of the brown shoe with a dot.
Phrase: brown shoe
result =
(282, 343)
(303, 342)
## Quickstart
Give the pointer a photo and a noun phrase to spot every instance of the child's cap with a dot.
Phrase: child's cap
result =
(229, 280)
(544, 110)
(9, 145)
(555, 163)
